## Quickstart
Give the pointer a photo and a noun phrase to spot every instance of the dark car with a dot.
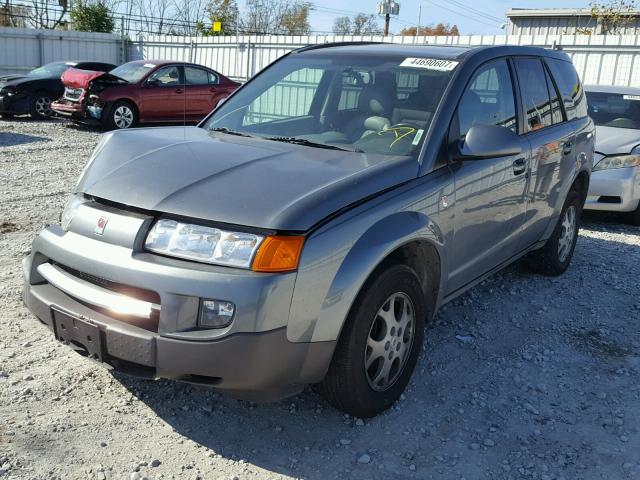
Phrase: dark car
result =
(32, 93)
(144, 91)
(307, 229)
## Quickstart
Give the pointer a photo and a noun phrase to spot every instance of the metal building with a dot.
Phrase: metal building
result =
(565, 21)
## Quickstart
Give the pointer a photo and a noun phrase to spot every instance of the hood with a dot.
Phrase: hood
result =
(77, 78)
(192, 172)
(610, 140)
(15, 80)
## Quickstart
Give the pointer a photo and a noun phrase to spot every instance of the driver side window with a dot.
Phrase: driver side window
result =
(488, 99)
(165, 77)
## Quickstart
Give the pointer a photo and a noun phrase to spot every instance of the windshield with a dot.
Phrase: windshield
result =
(372, 104)
(614, 109)
(132, 72)
(55, 69)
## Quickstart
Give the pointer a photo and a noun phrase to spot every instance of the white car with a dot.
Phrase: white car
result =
(615, 180)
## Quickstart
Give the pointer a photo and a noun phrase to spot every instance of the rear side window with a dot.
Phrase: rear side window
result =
(556, 109)
(195, 76)
(488, 99)
(573, 96)
(535, 94)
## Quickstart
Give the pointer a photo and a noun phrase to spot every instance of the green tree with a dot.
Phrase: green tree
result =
(92, 17)
(225, 12)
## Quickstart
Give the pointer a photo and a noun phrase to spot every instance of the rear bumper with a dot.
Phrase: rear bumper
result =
(616, 189)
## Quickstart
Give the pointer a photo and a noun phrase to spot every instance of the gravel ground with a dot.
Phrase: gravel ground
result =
(523, 377)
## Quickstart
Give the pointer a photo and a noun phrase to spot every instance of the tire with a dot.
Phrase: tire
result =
(40, 106)
(555, 256)
(351, 387)
(634, 217)
(121, 115)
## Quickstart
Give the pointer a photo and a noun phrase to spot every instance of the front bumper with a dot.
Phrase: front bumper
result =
(251, 358)
(616, 189)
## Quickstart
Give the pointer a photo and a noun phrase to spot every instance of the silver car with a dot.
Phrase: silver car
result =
(615, 182)
(308, 228)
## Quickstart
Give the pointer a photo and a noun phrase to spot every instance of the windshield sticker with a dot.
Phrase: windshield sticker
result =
(631, 97)
(149, 65)
(430, 64)
(416, 139)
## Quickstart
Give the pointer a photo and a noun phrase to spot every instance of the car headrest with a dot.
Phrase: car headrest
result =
(374, 100)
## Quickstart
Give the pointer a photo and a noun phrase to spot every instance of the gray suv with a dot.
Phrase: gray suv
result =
(309, 227)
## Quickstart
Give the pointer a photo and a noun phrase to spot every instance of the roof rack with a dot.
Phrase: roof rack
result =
(336, 44)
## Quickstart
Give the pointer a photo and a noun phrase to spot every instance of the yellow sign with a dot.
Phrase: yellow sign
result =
(217, 26)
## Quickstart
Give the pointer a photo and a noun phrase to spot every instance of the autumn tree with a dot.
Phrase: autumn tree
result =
(361, 24)
(441, 29)
(288, 17)
(613, 15)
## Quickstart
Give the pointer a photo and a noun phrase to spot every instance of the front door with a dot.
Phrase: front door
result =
(163, 96)
(490, 193)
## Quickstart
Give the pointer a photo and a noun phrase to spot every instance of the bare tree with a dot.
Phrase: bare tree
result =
(295, 20)
(361, 24)
(187, 13)
(276, 17)
(47, 14)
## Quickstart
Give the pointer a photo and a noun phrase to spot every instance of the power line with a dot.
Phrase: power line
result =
(462, 14)
(476, 11)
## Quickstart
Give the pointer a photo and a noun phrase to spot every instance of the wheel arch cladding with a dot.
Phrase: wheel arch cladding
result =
(406, 237)
(581, 184)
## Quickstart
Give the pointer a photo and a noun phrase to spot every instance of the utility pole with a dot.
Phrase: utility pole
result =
(419, 15)
(387, 8)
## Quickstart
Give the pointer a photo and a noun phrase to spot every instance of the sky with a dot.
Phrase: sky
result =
(471, 16)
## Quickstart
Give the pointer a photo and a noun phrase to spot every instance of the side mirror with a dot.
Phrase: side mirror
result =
(152, 83)
(489, 141)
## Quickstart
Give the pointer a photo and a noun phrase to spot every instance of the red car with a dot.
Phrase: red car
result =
(143, 91)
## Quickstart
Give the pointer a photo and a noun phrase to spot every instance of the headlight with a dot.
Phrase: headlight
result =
(203, 244)
(617, 161)
(10, 91)
(70, 209)
(277, 253)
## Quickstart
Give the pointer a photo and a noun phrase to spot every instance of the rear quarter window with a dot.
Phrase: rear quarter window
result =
(573, 96)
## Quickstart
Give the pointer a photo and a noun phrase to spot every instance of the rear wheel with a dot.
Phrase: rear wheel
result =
(379, 345)
(40, 106)
(122, 115)
(555, 256)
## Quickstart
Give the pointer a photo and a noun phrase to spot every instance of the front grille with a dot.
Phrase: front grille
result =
(128, 290)
(73, 94)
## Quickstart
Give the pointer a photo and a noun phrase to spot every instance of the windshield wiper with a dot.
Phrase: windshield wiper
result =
(309, 143)
(229, 131)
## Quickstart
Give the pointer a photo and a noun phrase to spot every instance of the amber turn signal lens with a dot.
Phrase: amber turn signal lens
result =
(279, 253)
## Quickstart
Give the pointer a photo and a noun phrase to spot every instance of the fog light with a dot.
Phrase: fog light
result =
(216, 313)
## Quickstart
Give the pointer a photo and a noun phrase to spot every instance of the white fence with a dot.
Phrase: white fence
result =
(22, 49)
(599, 59)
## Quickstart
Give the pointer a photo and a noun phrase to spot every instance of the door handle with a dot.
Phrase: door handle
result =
(179, 90)
(566, 150)
(519, 166)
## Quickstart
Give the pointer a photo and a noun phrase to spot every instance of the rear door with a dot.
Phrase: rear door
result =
(163, 96)
(552, 141)
(490, 193)
(203, 92)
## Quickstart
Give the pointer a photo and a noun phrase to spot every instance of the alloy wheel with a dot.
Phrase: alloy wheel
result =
(123, 117)
(567, 234)
(389, 342)
(43, 106)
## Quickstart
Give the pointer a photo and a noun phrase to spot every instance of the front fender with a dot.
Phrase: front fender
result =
(329, 283)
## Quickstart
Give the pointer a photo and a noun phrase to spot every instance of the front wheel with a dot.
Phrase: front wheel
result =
(555, 256)
(122, 115)
(379, 345)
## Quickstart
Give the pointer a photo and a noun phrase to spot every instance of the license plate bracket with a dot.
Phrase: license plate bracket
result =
(78, 333)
